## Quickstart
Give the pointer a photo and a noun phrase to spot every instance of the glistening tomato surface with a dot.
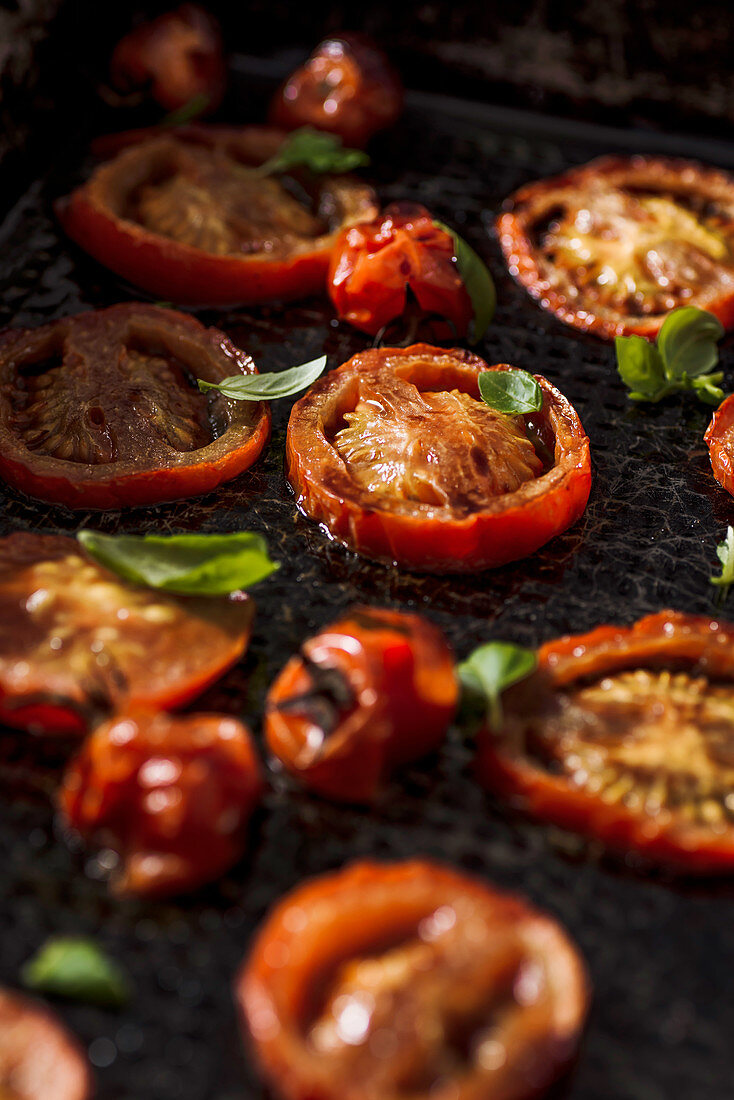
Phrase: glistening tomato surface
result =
(172, 796)
(615, 245)
(184, 216)
(102, 410)
(720, 438)
(39, 1059)
(77, 642)
(627, 735)
(396, 455)
(370, 692)
(411, 980)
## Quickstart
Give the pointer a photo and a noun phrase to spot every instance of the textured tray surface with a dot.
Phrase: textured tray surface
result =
(660, 953)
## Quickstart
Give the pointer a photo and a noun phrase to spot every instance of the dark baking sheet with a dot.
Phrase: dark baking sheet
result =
(660, 952)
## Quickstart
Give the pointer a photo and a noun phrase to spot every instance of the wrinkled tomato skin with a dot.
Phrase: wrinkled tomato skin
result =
(720, 439)
(399, 672)
(667, 638)
(39, 1058)
(347, 87)
(172, 796)
(374, 265)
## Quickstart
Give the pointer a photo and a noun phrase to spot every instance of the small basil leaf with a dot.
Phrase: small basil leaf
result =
(725, 554)
(512, 392)
(477, 280)
(267, 387)
(491, 669)
(190, 565)
(640, 367)
(314, 149)
(78, 969)
(187, 112)
(687, 342)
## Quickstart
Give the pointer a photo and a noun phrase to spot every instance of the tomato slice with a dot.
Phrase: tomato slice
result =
(102, 410)
(172, 796)
(613, 246)
(374, 690)
(396, 455)
(347, 87)
(77, 642)
(720, 438)
(39, 1059)
(181, 216)
(382, 982)
(626, 735)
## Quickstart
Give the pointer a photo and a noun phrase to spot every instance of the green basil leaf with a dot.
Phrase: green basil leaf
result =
(640, 367)
(78, 969)
(267, 387)
(308, 148)
(687, 342)
(491, 669)
(725, 554)
(510, 391)
(190, 565)
(188, 112)
(477, 280)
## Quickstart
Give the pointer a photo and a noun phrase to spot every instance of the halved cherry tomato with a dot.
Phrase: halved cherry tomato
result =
(627, 735)
(77, 642)
(171, 796)
(374, 265)
(397, 456)
(39, 1059)
(382, 982)
(372, 691)
(346, 87)
(102, 409)
(613, 246)
(177, 57)
(184, 216)
(720, 438)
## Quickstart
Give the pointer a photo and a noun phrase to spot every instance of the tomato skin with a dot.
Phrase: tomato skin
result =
(720, 439)
(515, 526)
(347, 87)
(398, 671)
(39, 1058)
(373, 265)
(665, 639)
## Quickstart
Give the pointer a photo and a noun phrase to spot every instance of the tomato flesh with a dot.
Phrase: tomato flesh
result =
(39, 1059)
(720, 439)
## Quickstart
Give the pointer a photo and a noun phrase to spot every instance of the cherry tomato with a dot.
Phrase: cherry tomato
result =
(102, 409)
(172, 796)
(626, 735)
(39, 1059)
(370, 692)
(396, 455)
(347, 87)
(375, 265)
(720, 438)
(183, 216)
(381, 982)
(613, 246)
(77, 642)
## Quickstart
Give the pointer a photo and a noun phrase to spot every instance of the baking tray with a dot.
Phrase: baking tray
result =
(660, 952)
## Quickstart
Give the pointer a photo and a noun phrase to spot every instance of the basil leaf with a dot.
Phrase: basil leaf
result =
(640, 367)
(477, 280)
(314, 149)
(687, 342)
(491, 669)
(191, 565)
(187, 112)
(510, 391)
(78, 969)
(267, 387)
(684, 351)
(725, 554)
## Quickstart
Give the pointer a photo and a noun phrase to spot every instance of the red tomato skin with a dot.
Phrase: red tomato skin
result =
(720, 439)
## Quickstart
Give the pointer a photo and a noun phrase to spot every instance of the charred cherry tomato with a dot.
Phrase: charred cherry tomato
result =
(396, 454)
(183, 216)
(39, 1059)
(177, 58)
(720, 438)
(411, 980)
(77, 642)
(370, 692)
(347, 87)
(627, 735)
(613, 246)
(375, 265)
(102, 409)
(171, 796)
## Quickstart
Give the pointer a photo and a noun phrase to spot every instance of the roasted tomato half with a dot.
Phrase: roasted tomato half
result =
(397, 456)
(627, 736)
(372, 691)
(172, 796)
(77, 642)
(374, 266)
(102, 410)
(347, 87)
(720, 438)
(39, 1059)
(613, 246)
(176, 58)
(183, 216)
(411, 980)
